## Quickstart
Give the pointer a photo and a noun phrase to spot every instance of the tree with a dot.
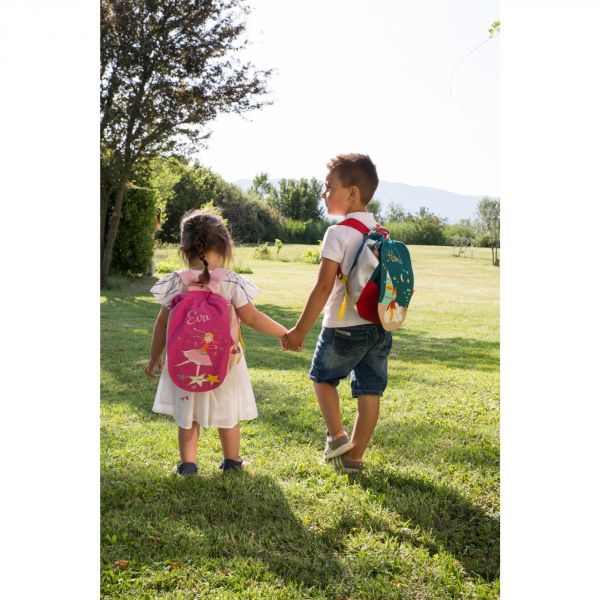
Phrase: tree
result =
(261, 186)
(249, 219)
(374, 207)
(298, 199)
(167, 69)
(463, 229)
(164, 174)
(196, 187)
(395, 213)
(461, 243)
(488, 220)
(428, 227)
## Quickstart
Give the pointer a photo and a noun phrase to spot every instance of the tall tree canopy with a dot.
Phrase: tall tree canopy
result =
(168, 68)
(298, 199)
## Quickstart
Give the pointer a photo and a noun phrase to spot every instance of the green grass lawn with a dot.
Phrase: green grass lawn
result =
(422, 520)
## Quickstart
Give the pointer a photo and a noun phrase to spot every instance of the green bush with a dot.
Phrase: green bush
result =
(303, 232)
(422, 228)
(168, 265)
(242, 270)
(464, 229)
(314, 231)
(278, 246)
(196, 187)
(292, 232)
(262, 251)
(251, 217)
(485, 240)
(249, 220)
(134, 245)
(404, 232)
(312, 256)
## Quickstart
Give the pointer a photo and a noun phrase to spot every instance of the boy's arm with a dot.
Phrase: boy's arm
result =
(259, 321)
(314, 305)
(159, 340)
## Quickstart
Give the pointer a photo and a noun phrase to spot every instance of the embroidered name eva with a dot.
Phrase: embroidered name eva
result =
(193, 317)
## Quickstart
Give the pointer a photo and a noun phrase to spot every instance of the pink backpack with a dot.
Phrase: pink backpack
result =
(202, 334)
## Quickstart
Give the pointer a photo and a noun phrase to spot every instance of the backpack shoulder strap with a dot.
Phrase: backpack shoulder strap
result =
(355, 224)
(218, 274)
(215, 279)
(186, 276)
(364, 229)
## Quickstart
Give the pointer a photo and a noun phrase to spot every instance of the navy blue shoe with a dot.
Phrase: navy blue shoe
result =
(231, 465)
(187, 468)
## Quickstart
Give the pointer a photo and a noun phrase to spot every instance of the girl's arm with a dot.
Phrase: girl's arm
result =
(159, 340)
(252, 317)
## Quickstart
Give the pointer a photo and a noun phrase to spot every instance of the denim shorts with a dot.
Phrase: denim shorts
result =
(361, 351)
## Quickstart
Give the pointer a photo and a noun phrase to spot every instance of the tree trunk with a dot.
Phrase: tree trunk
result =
(105, 192)
(495, 260)
(111, 235)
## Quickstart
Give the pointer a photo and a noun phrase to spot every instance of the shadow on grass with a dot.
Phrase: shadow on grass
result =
(459, 527)
(218, 522)
(243, 525)
(438, 445)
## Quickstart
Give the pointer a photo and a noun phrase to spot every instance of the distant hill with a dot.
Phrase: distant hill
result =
(440, 202)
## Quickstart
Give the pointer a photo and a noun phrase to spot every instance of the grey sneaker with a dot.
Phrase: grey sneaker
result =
(336, 447)
(346, 465)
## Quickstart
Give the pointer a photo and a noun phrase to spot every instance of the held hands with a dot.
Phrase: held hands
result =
(292, 340)
(149, 370)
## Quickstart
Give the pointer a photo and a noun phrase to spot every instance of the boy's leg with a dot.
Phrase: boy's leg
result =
(188, 443)
(364, 425)
(329, 403)
(368, 382)
(230, 442)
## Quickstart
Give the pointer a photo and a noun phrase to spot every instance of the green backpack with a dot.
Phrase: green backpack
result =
(380, 282)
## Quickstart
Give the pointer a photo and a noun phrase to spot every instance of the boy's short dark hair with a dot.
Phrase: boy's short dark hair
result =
(358, 170)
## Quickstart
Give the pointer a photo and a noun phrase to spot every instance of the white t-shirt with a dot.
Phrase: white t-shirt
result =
(341, 244)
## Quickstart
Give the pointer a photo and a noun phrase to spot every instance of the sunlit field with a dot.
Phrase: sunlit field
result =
(421, 521)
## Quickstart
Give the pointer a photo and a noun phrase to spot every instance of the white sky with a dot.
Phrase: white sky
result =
(373, 80)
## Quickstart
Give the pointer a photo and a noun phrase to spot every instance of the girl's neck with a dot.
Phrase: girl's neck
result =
(214, 262)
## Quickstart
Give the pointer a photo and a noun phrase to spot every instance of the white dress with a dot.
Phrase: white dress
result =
(233, 401)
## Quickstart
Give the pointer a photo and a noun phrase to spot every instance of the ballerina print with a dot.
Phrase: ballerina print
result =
(199, 356)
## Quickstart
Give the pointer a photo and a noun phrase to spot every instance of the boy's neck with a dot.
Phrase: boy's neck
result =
(353, 209)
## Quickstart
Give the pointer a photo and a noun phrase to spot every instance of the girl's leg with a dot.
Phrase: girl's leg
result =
(230, 442)
(364, 426)
(329, 403)
(188, 443)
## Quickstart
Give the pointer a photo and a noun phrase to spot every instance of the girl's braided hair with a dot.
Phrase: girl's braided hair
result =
(201, 232)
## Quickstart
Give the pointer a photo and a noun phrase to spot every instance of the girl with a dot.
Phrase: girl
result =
(206, 245)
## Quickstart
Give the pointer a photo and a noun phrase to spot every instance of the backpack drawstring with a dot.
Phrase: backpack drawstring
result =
(344, 279)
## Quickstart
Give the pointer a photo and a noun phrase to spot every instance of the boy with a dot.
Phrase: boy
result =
(347, 343)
